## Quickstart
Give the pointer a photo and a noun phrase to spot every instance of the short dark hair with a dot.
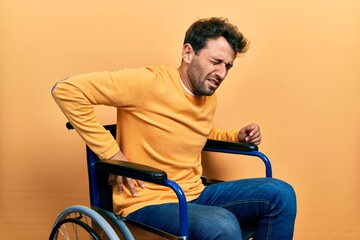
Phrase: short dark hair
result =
(211, 28)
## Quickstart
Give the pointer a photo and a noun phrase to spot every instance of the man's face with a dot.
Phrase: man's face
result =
(209, 67)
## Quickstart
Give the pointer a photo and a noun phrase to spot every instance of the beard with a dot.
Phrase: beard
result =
(198, 80)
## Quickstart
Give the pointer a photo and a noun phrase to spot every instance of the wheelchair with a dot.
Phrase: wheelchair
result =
(99, 221)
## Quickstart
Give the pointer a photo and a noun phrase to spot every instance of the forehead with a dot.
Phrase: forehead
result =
(220, 49)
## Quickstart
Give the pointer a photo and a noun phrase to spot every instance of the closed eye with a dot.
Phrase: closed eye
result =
(217, 62)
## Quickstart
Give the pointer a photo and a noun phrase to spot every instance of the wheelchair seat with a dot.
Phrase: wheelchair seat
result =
(99, 221)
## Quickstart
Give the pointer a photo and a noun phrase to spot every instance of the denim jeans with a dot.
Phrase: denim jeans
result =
(231, 210)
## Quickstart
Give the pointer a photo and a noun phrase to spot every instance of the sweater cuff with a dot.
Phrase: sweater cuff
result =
(110, 153)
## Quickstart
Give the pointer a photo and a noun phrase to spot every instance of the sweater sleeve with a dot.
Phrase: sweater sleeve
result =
(76, 96)
(231, 135)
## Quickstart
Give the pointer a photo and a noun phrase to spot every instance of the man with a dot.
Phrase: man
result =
(164, 116)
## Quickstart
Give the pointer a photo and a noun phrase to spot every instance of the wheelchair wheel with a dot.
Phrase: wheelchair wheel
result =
(80, 222)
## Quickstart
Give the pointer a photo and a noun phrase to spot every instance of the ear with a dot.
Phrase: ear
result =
(187, 53)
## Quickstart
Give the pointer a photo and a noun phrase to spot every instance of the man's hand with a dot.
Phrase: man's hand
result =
(119, 180)
(250, 134)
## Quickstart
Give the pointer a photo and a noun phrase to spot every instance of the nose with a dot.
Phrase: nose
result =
(222, 71)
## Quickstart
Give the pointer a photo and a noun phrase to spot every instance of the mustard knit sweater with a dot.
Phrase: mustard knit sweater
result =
(159, 124)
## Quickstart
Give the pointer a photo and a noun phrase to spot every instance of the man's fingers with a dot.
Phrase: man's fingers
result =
(119, 183)
(141, 183)
(257, 141)
(255, 135)
(254, 129)
(130, 183)
(111, 179)
(118, 180)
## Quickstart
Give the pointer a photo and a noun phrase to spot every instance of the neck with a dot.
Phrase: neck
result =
(185, 80)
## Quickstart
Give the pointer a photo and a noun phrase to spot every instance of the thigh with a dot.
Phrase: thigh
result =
(265, 204)
(201, 218)
(248, 199)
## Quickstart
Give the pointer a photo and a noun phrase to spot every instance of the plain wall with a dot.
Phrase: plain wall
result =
(300, 81)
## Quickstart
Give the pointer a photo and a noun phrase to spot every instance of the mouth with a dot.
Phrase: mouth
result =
(214, 83)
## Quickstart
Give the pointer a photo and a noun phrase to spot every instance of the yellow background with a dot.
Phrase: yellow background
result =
(300, 81)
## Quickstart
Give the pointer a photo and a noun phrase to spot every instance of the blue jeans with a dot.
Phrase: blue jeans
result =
(230, 211)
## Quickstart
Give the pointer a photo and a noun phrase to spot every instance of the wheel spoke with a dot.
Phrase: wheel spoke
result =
(80, 223)
(64, 233)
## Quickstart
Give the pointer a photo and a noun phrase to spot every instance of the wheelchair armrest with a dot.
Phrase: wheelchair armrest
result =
(238, 148)
(132, 170)
(214, 145)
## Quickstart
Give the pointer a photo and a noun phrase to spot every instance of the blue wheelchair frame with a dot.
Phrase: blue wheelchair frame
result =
(150, 174)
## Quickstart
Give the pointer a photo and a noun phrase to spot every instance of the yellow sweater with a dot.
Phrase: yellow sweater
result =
(159, 124)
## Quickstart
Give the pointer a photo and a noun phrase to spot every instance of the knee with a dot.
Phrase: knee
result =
(219, 223)
(284, 197)
(226, 224)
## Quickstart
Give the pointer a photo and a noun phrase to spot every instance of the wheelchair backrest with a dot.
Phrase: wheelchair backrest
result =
(99, 189)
